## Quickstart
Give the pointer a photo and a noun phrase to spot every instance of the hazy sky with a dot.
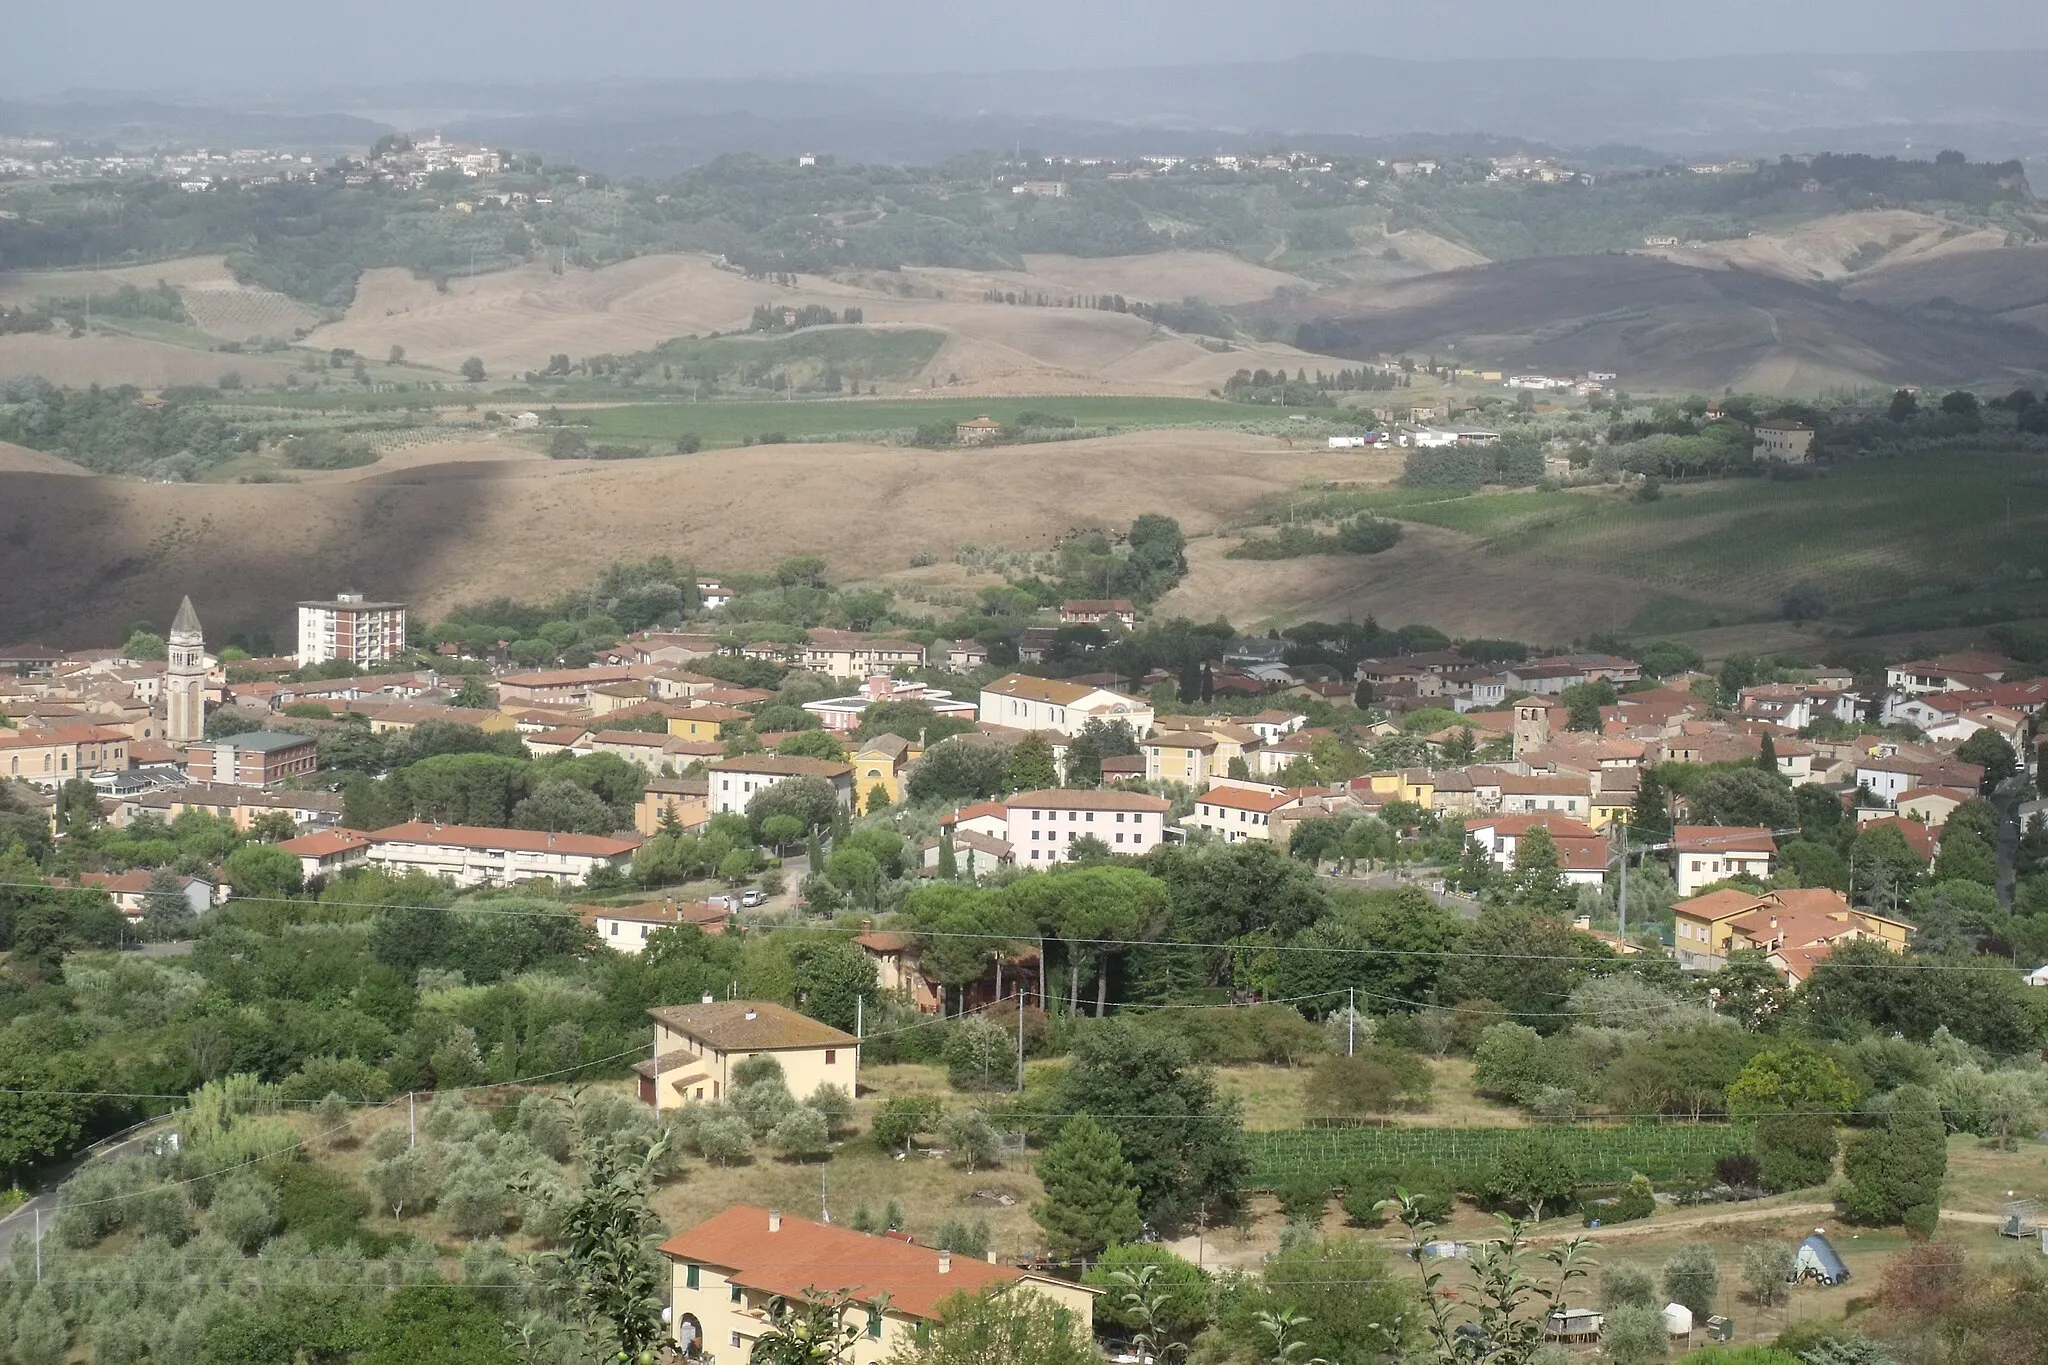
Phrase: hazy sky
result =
(185, 44)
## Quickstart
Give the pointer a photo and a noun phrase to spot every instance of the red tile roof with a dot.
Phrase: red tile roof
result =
(325, 843)
(807, 1255)
(749, 1026)
(1086, 799)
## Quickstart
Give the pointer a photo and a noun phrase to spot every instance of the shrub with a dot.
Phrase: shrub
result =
(963, 1238)
(1767, 1272)
(326, 450)
(801, 1132)
(1637, 1201)
(1434, 1188)
(1623, 1286)
(1692, 1277)
(1304, 1197)
(725, 1139)
(1183, 1288)
(320, 1204)
(973, 1139)
(980, 1055)
(1738, 1172)
(548, 1124)
(901, 1119)
(164, 1212)
(244, 1211)
(475, 1204)
(1795, 1151)
(348, 1077)
(1372, 1081)
(1635, 1336)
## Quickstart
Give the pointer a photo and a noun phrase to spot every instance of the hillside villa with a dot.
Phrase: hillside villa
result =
(696, 1047)
(728, 1273)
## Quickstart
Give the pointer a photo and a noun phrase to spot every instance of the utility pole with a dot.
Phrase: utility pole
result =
(860, 1017)
(412, 1119)
(1351, 1022)
(1020, 1040)
(39, 1245)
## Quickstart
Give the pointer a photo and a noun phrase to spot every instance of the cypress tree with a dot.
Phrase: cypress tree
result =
(1894, 1175)
(949, 869)
(1650, 821)
(1767, 755)
(1090, 1199)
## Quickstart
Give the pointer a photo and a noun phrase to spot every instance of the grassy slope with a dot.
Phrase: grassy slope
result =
(1874, 533)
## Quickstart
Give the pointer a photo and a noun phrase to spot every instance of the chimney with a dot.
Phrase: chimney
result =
(774, 1220)
(945, 1262)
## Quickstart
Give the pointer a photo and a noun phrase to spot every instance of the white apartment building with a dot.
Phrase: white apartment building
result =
(1022, 702)
(1235, 814)
(361, 632)
(1705, 854)
(1043, 825)
(474, 855)
(734, 781)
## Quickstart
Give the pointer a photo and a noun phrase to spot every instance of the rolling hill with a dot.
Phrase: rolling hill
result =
(1661, 325)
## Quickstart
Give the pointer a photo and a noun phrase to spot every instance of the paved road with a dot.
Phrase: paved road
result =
(22, 1222)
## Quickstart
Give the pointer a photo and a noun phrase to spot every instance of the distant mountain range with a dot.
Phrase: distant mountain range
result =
(1990, 104)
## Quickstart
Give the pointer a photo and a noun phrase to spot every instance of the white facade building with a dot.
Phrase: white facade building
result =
(473, 855)
(1043, 825)
(349, 628)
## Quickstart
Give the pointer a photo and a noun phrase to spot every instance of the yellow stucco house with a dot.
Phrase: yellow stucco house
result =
(879, 762)
(703, 721)
(1413, 785)
(730, 1274)
(1609, 807)
(697, 1046)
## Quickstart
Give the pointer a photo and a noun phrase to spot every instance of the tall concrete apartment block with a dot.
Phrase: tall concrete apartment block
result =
(363, 633)
(185, 679)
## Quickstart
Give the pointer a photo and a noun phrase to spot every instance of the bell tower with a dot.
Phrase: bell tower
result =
(185, 679)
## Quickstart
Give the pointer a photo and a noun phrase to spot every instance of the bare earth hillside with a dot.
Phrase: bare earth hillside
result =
(1837, 247)
(101, 358)
(16, 459)
(1165, 276)
(2010, 283)
(469, 526)
(516, 319)
(1663, 325)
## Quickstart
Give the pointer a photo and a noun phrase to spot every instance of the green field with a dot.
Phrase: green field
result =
(1928, 529)
(722, 422)
(1663, 1151)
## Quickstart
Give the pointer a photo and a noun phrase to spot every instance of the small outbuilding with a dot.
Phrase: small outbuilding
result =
(1574, 1326)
